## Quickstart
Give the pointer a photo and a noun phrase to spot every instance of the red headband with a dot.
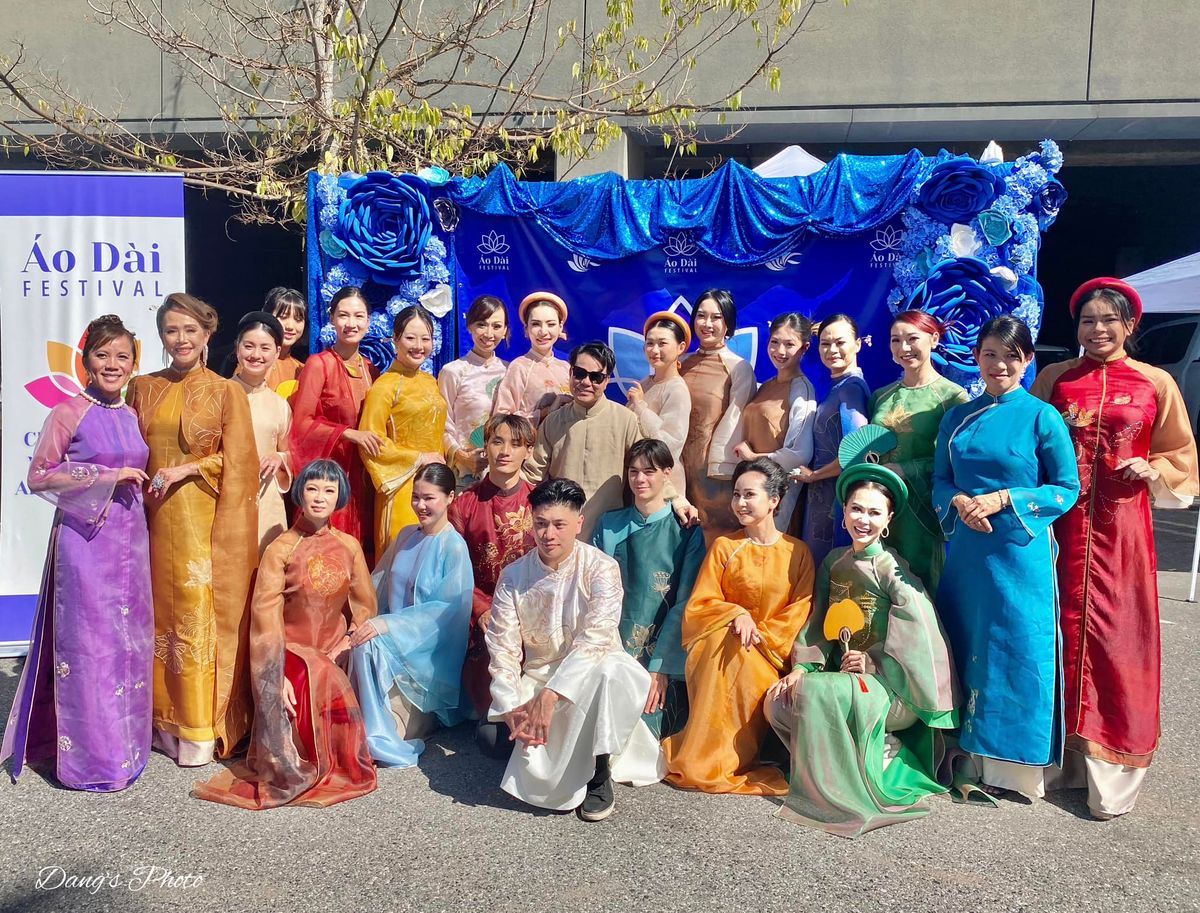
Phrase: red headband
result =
(1135, 300)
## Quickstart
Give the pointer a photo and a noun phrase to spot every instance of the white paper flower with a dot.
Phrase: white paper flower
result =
(1006, 276)
(963, 241)
(438, 300)
(992, 155)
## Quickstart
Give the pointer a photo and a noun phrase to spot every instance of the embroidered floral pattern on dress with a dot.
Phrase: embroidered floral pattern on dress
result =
(1079, 418)
(325, 576)
(64, 743)
(638, 639)
(119, 691)
(124, 610)
(63, 670)
(897, 418)
(79, 473)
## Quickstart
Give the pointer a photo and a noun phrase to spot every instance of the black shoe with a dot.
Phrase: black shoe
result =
(493, 740)
(599, 803)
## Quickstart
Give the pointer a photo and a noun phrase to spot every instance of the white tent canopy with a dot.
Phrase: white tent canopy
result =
(1172, 288)
(792, 162)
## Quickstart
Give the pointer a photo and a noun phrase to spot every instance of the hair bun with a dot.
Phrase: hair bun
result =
(106, 320)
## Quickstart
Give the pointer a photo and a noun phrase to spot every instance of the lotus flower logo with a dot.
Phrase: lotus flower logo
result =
(680, 245)
(581, 264)
(887, 239)
(779, 264)
(66, 377)
(493, 243)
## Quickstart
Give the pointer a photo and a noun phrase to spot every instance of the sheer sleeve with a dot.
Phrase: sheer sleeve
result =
(707, 609)
(914, 657)
(396, 463)
(313, 436)
(361, 597)
(82, 491)
(453, 439)
(278, 767)
(779, 629)
(670, 422)
(810, 650)
(511, 391)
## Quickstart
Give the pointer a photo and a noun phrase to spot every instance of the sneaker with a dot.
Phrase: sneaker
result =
(599, 803)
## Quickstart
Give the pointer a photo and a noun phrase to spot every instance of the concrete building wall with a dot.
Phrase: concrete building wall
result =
(872, 71)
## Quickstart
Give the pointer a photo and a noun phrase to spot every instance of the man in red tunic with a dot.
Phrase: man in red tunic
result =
(494, 518)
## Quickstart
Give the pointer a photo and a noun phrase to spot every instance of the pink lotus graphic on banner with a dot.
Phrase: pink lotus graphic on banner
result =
(66, 377)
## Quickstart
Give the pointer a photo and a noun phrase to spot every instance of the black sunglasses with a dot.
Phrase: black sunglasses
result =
(596, 377)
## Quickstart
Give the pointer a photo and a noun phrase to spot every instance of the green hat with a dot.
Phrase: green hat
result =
(868, 444)
(873, 472)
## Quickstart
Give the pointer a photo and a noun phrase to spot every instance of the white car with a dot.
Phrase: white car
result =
(1174, 345)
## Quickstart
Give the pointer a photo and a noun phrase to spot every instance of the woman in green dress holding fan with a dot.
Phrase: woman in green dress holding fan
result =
(864, 736)
(912, 408)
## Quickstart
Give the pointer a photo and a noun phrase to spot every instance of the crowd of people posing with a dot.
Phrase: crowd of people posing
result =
(850, 603)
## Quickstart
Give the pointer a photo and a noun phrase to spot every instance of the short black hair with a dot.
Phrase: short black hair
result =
(776, 476)
(324, 471)
(724, 302)
(1012, 333)
(550, 492)
(597, 350)
(653, 451)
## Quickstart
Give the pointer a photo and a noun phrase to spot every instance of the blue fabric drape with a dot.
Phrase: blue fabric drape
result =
(733, 215)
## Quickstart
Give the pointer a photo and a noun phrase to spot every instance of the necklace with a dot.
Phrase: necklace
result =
(92, 398)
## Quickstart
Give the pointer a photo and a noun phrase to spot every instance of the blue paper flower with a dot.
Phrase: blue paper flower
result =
(995, 225)
(435, 248)
(958, 190)
(963, 295)
(378, 348)
(1048, 201)
(328, 336)
(1051, 156)
(385, 225)
(331, 246)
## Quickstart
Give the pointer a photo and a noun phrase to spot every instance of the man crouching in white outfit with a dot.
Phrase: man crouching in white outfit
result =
(574, 704)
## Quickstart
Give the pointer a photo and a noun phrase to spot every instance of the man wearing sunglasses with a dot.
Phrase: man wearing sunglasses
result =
(586, 440)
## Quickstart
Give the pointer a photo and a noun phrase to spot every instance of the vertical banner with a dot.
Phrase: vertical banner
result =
(73, 246)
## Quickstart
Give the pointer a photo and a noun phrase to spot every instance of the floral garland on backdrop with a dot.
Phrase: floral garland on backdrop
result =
(376, 231)
(969, 250)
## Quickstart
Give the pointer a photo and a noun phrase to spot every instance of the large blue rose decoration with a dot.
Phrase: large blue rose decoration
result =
(958, 190)
(384, 224)
(963, 295)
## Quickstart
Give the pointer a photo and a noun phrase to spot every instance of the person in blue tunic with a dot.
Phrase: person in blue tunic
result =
(1004, 471)
(406, 663)
(659, 561)
(844, 409)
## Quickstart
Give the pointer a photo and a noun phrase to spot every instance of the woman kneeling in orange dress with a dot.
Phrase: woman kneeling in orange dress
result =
(308, 745)
(753, 594)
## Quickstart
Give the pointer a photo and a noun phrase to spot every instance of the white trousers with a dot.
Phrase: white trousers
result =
(183, 752)
(606, 720)
(1112, 788)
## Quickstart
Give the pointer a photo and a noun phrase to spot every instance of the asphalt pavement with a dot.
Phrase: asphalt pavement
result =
(442, 837)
